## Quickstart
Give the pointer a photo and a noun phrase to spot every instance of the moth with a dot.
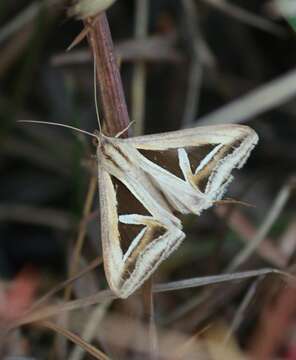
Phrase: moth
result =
(202, 165)
(162, 176)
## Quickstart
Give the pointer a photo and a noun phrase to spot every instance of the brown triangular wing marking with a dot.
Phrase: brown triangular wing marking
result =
(126, 271)
(122, 162)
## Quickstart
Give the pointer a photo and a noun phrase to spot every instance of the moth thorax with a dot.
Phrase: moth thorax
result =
(115, 153)
(103, 145)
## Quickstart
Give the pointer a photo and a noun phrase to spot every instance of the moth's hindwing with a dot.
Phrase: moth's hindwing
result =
(179, 172)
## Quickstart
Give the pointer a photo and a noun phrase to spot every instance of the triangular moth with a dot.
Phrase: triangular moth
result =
(161, 193)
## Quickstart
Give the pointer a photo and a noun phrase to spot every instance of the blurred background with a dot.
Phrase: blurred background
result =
(184, 63)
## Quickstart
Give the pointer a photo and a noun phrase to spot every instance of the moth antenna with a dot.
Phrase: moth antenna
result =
(125, 129)
(95, 94)
(233, 201)
(58, 124)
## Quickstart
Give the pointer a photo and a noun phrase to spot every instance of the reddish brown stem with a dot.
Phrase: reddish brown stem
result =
(110, 90)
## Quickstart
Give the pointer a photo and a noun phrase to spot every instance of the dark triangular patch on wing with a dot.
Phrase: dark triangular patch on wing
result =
(168, 159)
(128, 204)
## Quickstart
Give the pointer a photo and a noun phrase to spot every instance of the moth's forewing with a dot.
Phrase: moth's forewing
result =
(122, 161)
(202, 135)
(203, 161)
(134, 242)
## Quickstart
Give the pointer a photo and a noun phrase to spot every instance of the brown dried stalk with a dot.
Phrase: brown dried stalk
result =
(110, 90)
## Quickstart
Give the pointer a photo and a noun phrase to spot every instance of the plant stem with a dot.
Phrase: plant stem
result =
(110, 90)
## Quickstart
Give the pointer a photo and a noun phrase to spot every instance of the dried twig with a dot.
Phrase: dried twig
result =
(110, 88)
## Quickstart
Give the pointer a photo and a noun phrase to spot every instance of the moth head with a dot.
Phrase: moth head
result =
(99, 138)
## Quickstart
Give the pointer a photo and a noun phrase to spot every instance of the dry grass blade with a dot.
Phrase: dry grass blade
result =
(118, 330)
(196, 66)
(106, 295)
(139, 72)
(61, 286)
(246, 17)
(156, 48)
(90, 330)
(287, 243)
(34, 153)
(98, 354)
(241, 225)
(241, 310)
(82, 232)
(22, 19)
(285, 8)
(149, 318)
(194, 88)
(270, 219)
(52, 310)
(215, 279)
(183, 350)
(262, 99)
(35, 215)
(19, 21)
